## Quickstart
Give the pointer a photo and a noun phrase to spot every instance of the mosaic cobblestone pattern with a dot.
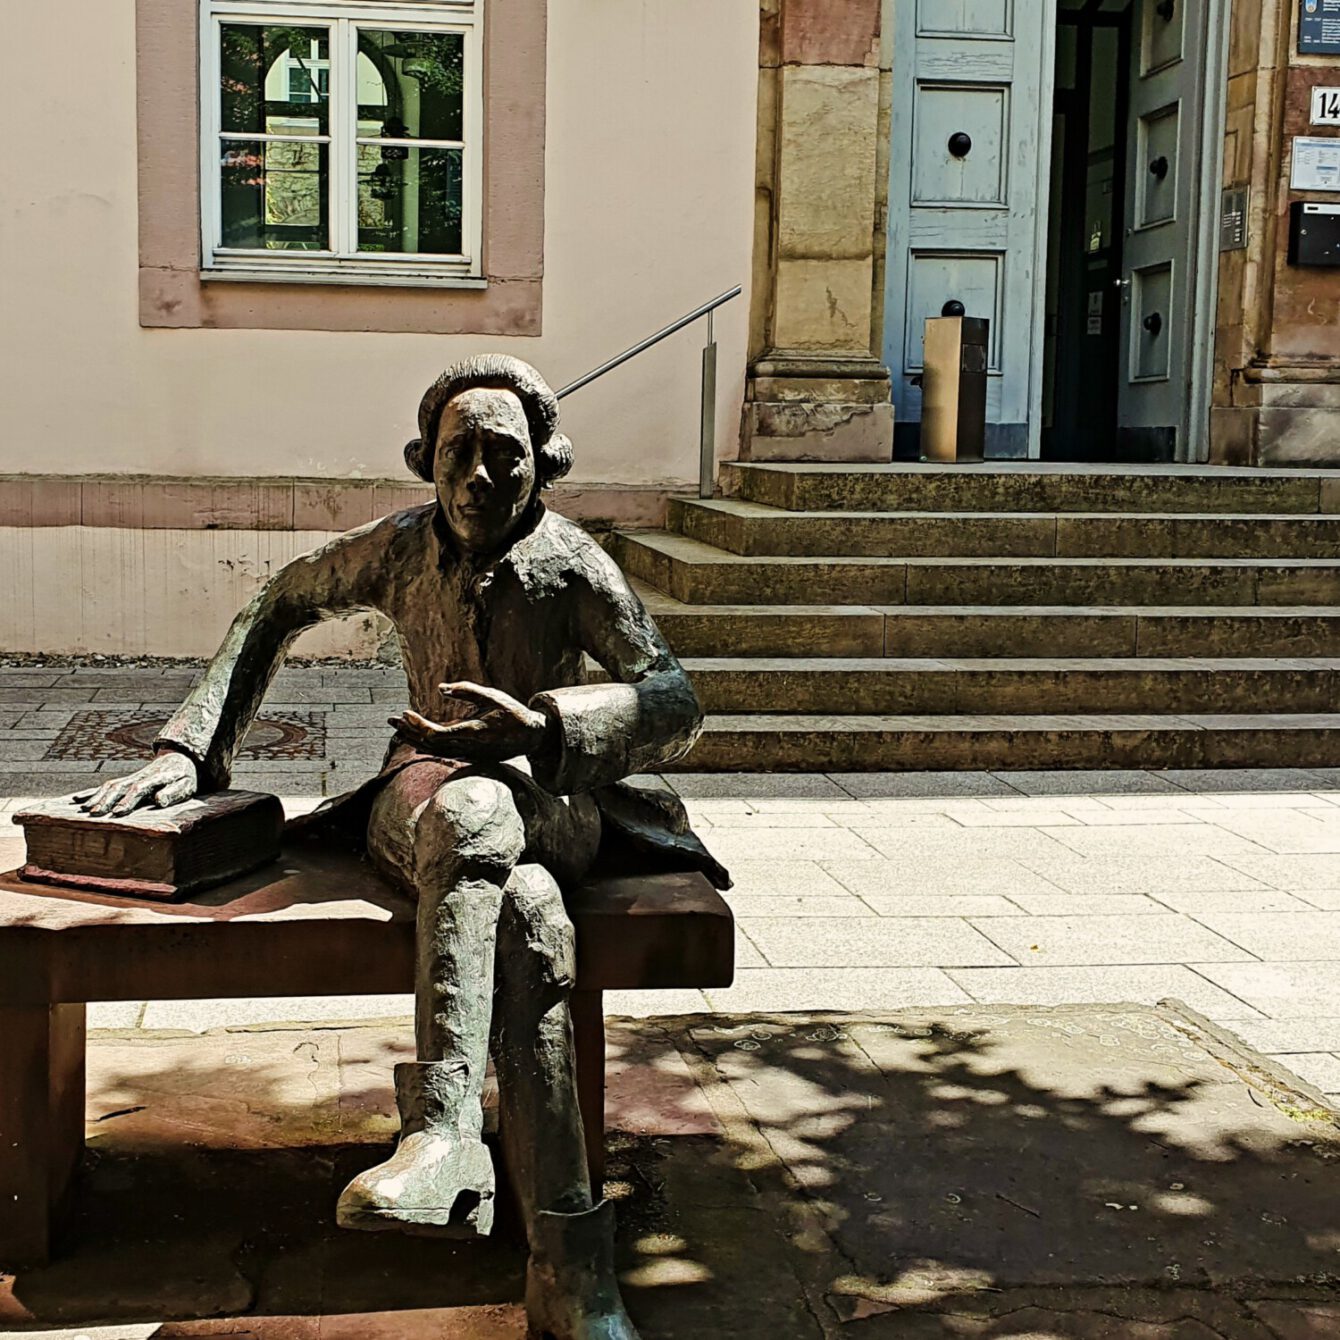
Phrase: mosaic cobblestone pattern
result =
(127, 736)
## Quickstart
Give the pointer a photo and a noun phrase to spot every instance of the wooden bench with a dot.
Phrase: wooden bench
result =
(316, 924)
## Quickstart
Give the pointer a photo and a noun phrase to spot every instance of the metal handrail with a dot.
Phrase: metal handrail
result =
(644, 345)
(707, 431)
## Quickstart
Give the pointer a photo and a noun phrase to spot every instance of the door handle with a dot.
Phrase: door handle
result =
(1153, 323)
(960, 144)
(1159, 167)
(1121, 283)
(1165, 9)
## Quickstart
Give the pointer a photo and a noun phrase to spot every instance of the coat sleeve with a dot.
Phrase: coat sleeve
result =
(211, 724)
(649, 715)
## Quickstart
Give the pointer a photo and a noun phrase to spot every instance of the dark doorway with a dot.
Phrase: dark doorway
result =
(1087, 214)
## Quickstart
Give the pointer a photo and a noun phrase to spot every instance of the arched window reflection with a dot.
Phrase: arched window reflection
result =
(275, 81)
(410, 126)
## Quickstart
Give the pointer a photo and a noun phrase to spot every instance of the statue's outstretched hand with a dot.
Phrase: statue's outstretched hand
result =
(504, 727)
(168, 780)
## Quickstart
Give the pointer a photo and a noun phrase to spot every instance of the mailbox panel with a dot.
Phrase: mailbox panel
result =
(1314, 234)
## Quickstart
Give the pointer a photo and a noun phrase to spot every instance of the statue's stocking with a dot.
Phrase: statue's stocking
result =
(572, 1292)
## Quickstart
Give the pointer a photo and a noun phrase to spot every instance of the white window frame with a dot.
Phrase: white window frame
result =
(343, 264)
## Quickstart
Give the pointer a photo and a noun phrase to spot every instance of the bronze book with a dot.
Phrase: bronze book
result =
(153, 853)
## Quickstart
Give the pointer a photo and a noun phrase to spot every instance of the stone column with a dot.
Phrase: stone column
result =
(1276, 395)
(817, 388)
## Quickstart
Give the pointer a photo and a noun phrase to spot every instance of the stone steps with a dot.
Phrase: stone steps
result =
(698, 573)
(811, 743)
(999, 486)
(860, 686)
(992, 631)
(1010, 615)
(753, 529)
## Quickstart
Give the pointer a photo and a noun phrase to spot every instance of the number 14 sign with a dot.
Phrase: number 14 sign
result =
(1326, 106)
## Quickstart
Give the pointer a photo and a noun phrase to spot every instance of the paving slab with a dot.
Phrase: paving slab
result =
(937, 1174)
(1280, 935)
(1143, 984)
(1326, 899)
(1073, 941)
(1123, 873)
(1321, 1069)
(870, 784)
(789, 942)
(1297, 990)
(1291, 873)
(887, 879)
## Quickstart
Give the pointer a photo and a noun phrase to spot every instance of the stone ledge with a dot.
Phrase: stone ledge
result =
(152, 502)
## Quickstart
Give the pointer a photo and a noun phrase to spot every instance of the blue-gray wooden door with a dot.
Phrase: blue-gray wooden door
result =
(966, 187)
(1164, 138)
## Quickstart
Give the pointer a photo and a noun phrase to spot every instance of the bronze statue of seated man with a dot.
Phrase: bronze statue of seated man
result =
(497, 790)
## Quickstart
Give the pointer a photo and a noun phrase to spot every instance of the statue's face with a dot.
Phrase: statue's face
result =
(483, 467)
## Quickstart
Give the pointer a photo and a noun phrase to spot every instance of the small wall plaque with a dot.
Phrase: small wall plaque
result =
(1233, 219)
(1319, 27)
(1316, 163)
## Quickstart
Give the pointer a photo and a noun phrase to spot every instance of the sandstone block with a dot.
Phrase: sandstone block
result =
(824, 305)
(796, 431)
(826, 164)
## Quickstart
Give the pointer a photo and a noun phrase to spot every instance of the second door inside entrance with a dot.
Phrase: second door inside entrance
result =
(1055, 188)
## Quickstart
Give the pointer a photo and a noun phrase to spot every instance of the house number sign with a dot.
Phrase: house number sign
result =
(1319, 27)
(1326, 106)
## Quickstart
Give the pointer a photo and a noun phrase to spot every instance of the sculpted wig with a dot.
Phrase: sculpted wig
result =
(495, 372)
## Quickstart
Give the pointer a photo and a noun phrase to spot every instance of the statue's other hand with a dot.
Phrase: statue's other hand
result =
(168, 780)
(504, 728)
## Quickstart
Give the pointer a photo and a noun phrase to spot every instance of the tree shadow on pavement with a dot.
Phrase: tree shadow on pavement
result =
(965, 1172)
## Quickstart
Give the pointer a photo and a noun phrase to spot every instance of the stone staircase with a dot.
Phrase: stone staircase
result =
(1004, 616)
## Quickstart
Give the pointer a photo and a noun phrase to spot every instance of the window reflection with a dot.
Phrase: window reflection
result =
(410, 90)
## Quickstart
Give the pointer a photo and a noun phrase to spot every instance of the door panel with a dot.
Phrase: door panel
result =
(977, 18)
(969, 81)
(976, 279)
(1163, 190)
(1162, 35)
(939, 174)
(1155, 316)
(1157, 147)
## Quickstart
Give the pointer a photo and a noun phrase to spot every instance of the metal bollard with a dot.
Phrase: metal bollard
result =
(953, 388)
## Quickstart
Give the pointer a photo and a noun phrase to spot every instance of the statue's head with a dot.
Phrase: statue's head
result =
(488, 442)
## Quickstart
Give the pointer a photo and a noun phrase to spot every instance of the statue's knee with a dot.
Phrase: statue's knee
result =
(472, 820)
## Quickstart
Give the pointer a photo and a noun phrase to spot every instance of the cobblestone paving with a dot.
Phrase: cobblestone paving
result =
(863, 891)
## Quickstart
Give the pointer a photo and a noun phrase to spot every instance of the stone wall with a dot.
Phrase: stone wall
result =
(1277, 354)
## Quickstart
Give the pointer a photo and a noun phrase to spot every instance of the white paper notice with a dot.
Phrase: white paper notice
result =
(1316, 164)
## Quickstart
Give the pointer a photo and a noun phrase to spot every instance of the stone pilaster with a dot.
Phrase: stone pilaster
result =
(817, 388)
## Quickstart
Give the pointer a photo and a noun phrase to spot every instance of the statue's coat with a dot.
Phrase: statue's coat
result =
(519, 621)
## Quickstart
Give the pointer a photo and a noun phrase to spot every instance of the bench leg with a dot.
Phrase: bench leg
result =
(41, 1124)
(588, 1029)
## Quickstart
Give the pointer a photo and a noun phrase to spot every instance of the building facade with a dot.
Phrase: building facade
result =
(253, 233)
(249, 232)
(1116, 185)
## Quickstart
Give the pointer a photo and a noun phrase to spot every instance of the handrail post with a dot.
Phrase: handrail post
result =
(707, 435)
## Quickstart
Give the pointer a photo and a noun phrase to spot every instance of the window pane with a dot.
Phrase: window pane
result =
(273, 79)
(410, 85)
(274, 195)
(409, 200)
